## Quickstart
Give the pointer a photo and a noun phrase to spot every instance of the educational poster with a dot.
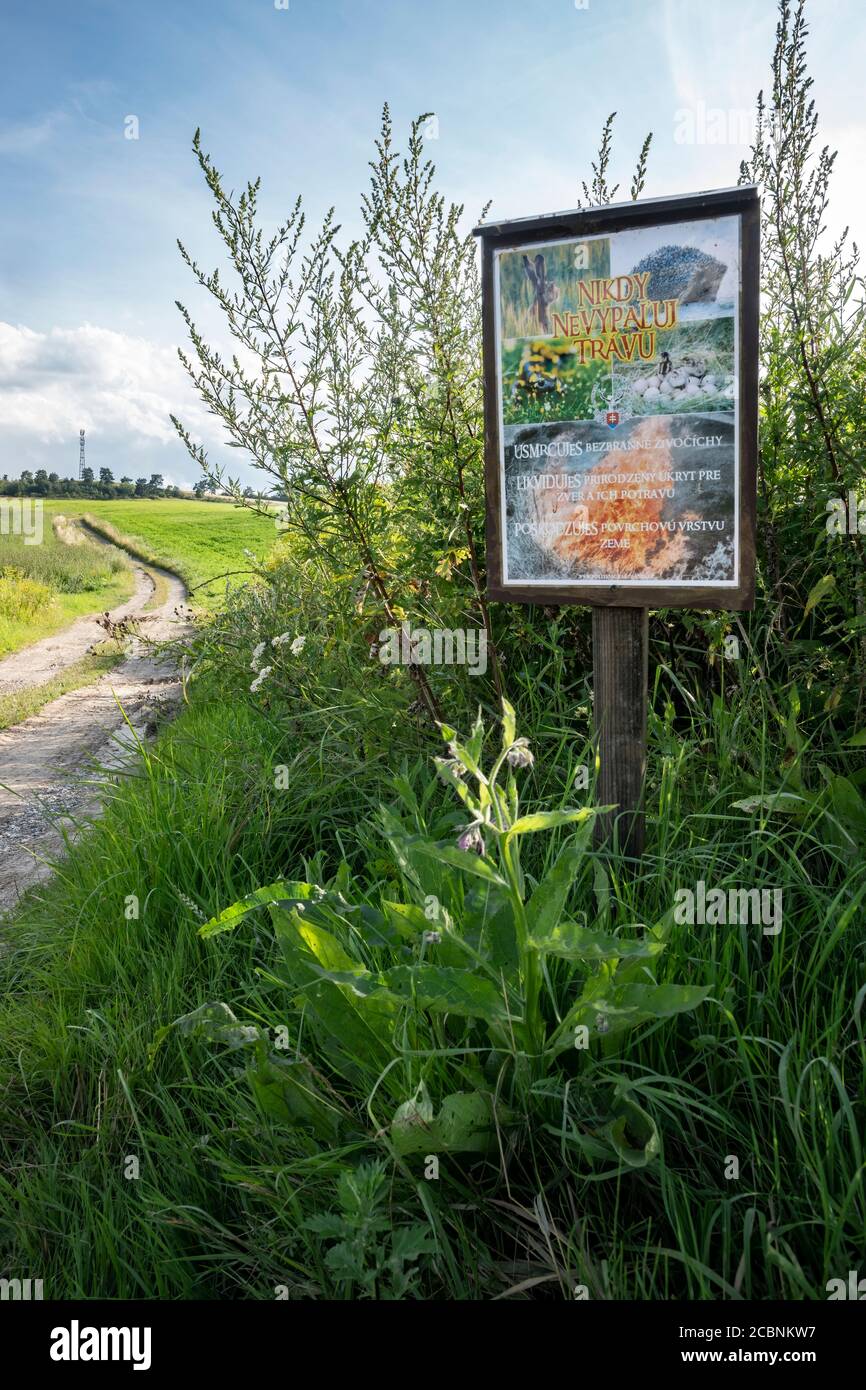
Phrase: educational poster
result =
(617, 363)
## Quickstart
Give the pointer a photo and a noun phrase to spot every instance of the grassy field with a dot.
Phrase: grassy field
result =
(200, 541)
(45, 587)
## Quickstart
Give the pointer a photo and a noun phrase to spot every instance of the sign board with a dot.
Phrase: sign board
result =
(621, 403)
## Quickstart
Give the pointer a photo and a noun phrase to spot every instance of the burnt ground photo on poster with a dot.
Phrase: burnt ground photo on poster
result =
(651, 501)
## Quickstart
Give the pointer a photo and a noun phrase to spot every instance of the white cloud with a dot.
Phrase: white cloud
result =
(53, 384)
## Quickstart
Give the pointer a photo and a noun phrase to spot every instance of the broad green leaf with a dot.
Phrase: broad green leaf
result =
(274, 892)
(419, 1109)
(445, 989)
(354, 1032)
(411, 1126)
(214, 1021)
(286, 1089)
(476, 739)
(857, 740)
(407, 919)
(608, 1009)
(849, 807)
(442, 988)
(573, 942)
(633, 1135)
(545, 907)
(406, 791)
(467, 1121)
(509, 724)
(323, 945)
(289, 1090)
(466, 860)
(373, 926)
(358, 981)
(465, 1124)
(395, 834)
(601, 889)
(790, 802)
(656, 1001)
(500, 937)
(342, 880)
(549, 820)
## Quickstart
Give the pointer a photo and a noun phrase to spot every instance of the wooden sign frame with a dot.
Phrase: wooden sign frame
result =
(742, 203)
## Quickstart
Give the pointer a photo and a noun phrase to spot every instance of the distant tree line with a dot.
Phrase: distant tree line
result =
(41, 483)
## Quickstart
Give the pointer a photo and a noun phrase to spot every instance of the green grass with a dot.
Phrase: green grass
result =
(198, 540)
(768, 1070)
(48, 586)
(101, 985)
(21, 704)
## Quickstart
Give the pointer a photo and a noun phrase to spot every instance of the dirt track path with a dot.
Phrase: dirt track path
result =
(38, 663)
(51, 765)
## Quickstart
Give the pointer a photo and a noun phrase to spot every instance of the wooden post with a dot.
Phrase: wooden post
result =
(619, 665)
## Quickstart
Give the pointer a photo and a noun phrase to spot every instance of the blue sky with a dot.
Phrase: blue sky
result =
(89, 269)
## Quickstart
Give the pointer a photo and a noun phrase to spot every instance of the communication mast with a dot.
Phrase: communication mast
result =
(80, 454)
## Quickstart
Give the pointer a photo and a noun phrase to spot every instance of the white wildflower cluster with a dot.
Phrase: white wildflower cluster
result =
(261, 678)
(296, 644)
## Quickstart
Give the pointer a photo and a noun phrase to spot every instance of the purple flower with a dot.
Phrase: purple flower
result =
(471, 840)
(520, 754)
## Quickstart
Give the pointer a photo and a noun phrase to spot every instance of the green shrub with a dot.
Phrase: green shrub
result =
(470, 960)
(20, 597)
